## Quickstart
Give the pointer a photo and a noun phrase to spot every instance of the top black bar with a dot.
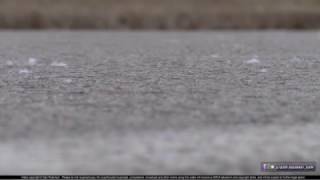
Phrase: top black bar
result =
(40, 177)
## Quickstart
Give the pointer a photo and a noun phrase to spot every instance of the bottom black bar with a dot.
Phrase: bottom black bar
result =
(180, 177)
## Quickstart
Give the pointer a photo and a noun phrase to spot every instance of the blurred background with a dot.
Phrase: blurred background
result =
(160, 14)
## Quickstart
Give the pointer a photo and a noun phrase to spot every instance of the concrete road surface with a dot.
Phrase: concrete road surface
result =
(157, 102)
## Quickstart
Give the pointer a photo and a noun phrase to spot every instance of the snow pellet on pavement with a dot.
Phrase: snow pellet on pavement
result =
(263, 70)
(9, 63)
(58, 64)
(295, 59)
(32, 61)
(215, 55)
(253, 61)
(67, 80)
(24, 71)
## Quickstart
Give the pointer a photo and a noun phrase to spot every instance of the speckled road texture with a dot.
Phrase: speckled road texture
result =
(157, 102)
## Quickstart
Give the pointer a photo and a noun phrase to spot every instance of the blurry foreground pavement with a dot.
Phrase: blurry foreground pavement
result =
(157, 103)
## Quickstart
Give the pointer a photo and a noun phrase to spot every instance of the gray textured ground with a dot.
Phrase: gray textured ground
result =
(157, 103)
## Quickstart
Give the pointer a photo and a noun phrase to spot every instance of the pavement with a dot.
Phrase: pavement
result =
(90, 102)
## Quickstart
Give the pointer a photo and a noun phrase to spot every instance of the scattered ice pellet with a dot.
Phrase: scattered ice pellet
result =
(59, 64)
(214, 55)
(295, 59)
(253, 61)
(32, 61)
(264, 70)
(67, 80)
(9, 63)
(24, 71)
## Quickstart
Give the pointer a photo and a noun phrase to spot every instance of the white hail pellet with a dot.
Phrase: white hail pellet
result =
(264, 70)
(214, 55)
(67, 80)
(9, 63)
(24, 71)
(253, 61)
(59, 64)
(32, 61)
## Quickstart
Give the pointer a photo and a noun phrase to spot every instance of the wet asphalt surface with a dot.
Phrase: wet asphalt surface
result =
(157, 102)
